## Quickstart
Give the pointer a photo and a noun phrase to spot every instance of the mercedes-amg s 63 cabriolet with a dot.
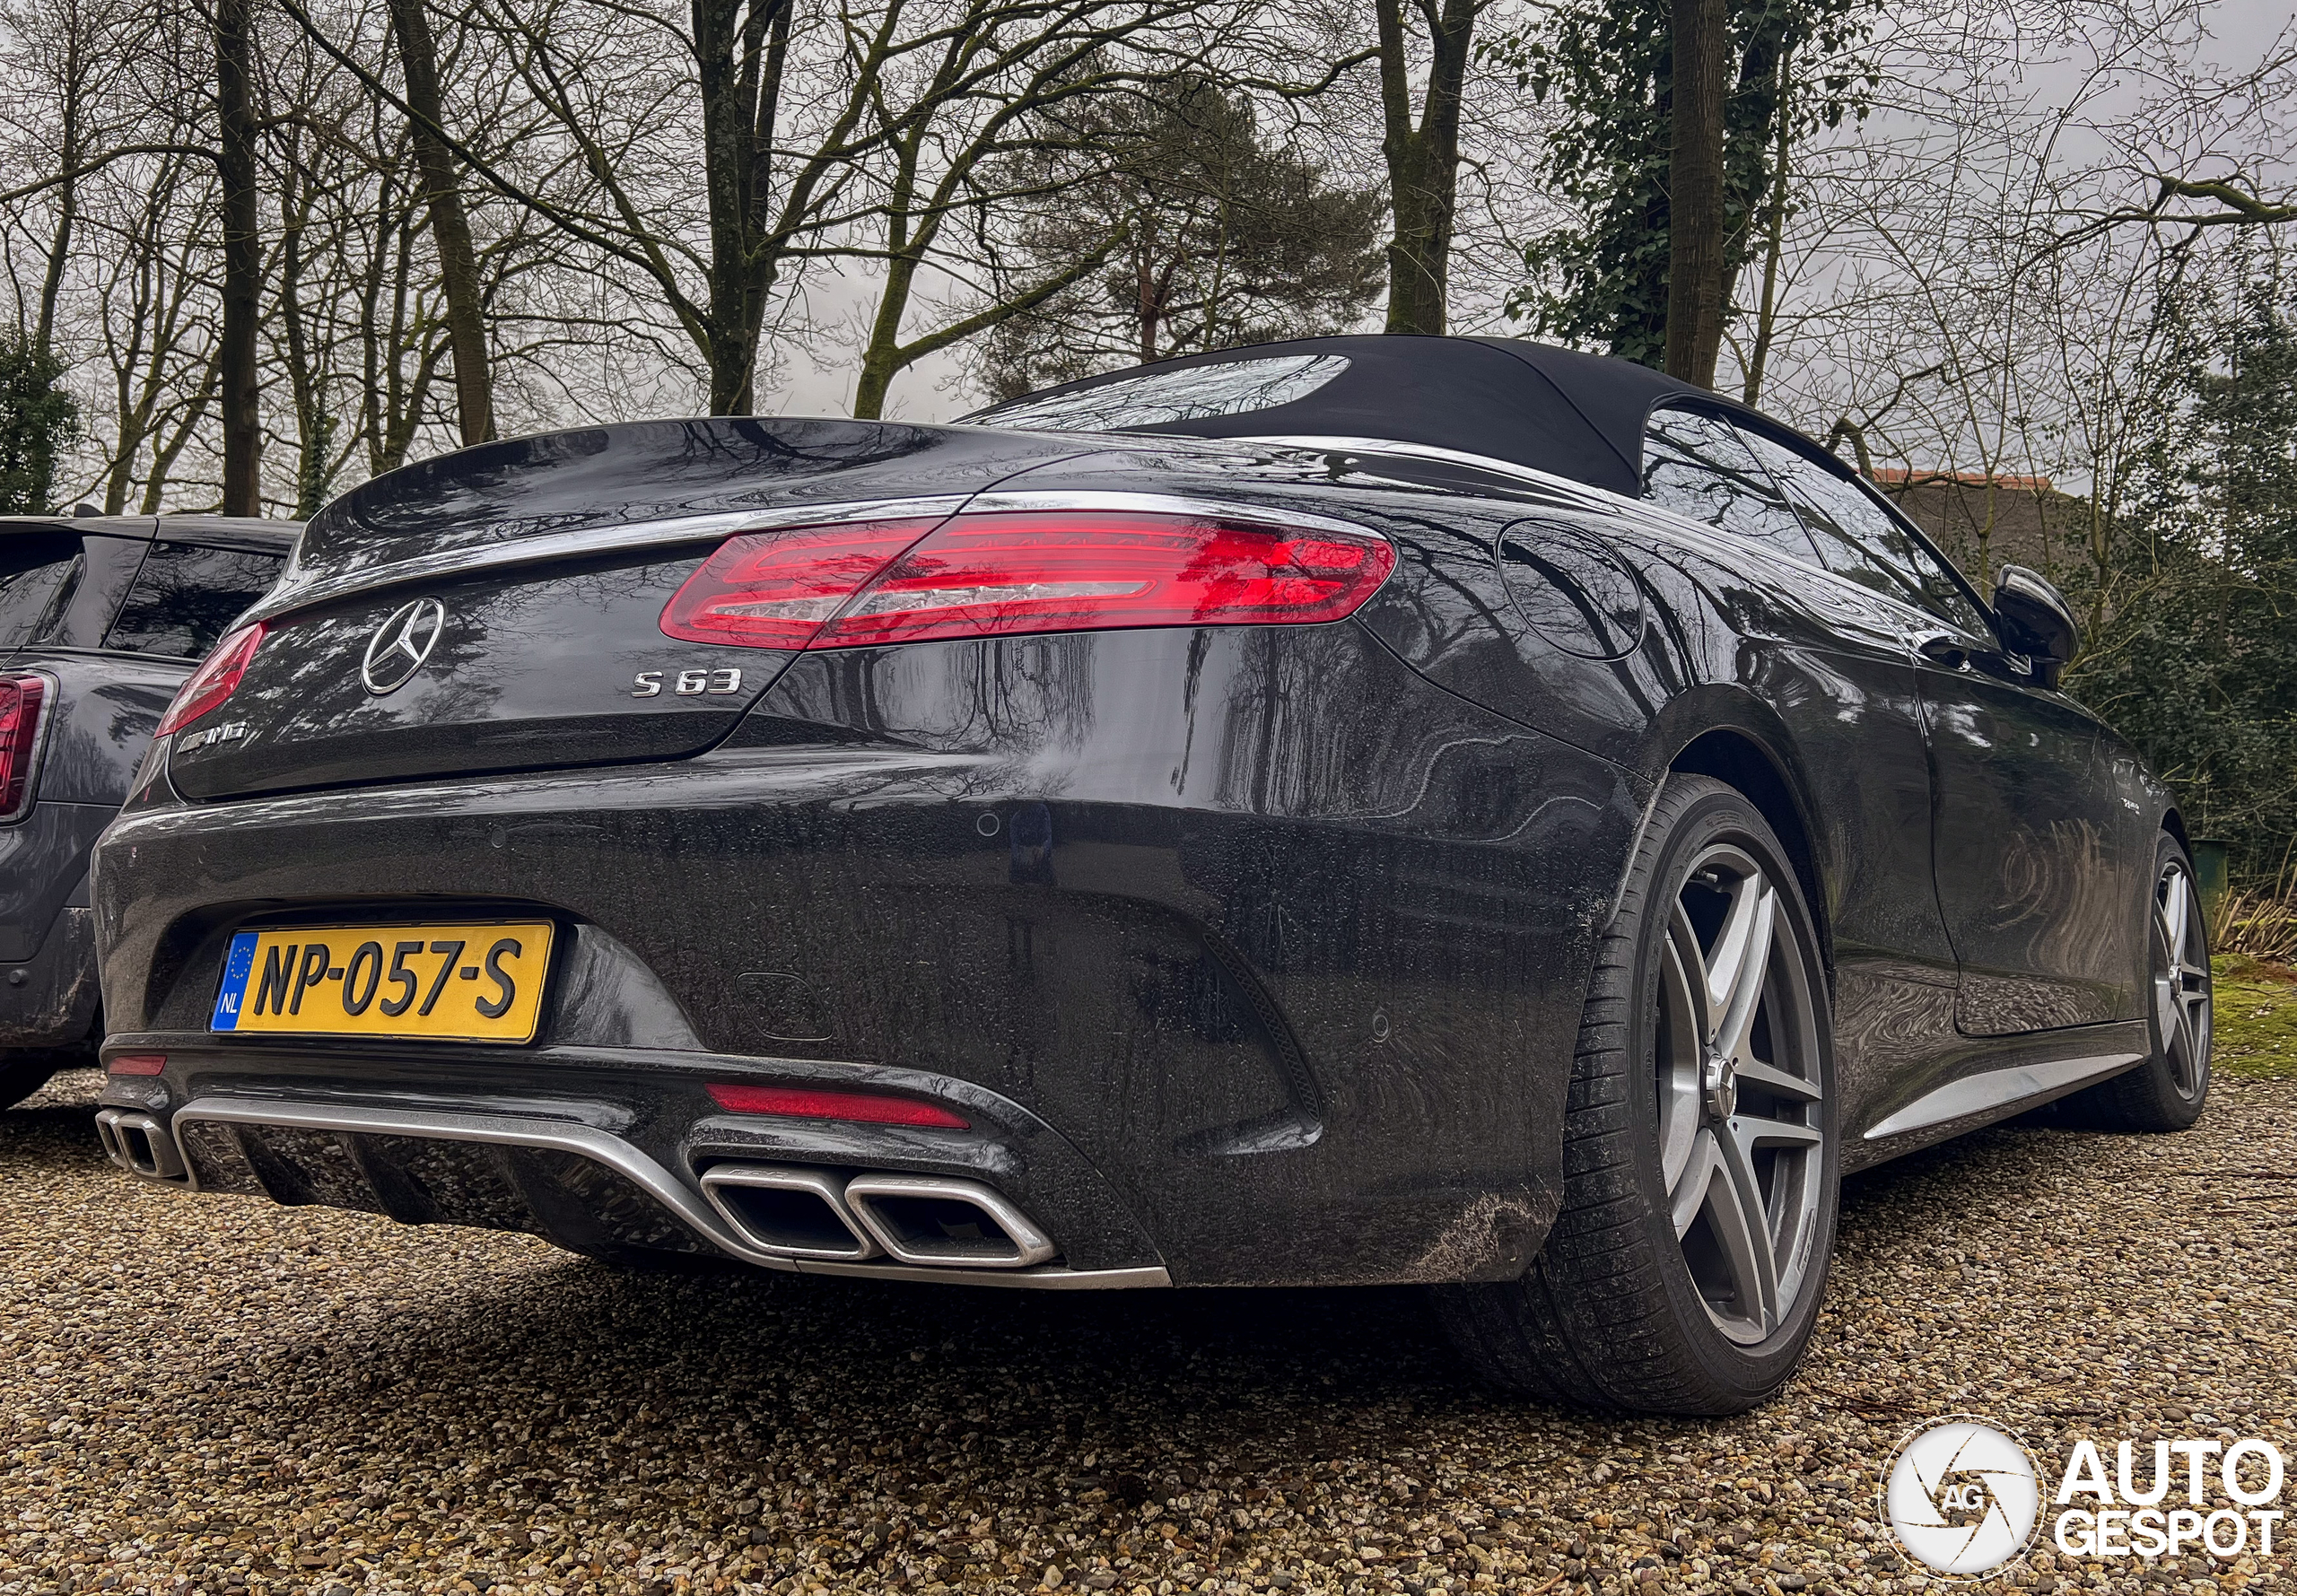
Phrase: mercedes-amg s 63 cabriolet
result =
(1358, 810)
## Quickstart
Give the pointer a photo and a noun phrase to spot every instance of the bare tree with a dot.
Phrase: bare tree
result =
(242, 249)
(1421, 143)
(449, 227)
(1002, 79)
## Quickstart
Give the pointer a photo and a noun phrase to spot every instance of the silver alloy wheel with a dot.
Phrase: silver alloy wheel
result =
(2182, 984)
(1741, 1143)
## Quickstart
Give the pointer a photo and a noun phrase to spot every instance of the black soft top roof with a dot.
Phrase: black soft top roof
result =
(1556, 410)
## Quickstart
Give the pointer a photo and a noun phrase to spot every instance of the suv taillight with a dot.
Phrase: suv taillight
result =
(213, 681)
(21, 701)
(1000, 573)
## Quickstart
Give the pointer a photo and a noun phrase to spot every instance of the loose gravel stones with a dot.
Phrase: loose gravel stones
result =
(219, 1395)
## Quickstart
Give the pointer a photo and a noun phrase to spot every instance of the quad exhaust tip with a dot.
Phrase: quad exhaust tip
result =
(138, 1144)
(915, 1219)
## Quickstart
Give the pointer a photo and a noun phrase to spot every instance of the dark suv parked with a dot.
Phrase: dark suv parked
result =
(101, 618)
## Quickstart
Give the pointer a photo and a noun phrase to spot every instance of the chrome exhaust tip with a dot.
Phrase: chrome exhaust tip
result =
(928, 1220)
(789, 1213)
(138, 1144)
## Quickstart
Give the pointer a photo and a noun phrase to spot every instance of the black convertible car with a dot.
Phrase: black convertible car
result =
(1367, 809)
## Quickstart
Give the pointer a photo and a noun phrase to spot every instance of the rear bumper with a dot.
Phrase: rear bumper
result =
(49, 1000)
(1256, 989)
(576, 1184)
(599, 1150)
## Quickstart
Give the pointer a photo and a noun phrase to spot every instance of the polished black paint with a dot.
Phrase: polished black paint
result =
(497, 496)
(1279, 936)
(1220, 953)
(543, 651)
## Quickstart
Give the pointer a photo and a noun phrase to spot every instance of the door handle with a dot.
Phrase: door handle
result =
(1941, 648)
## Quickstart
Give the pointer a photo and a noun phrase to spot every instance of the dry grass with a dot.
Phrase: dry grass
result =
(2260, 924)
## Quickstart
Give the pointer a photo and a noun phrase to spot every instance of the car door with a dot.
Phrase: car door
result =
(1831, 659)
(2030, 861)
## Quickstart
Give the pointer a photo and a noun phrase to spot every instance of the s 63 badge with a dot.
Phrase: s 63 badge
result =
(687, 683)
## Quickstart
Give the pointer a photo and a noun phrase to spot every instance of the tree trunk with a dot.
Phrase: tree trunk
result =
(242, 262)
(314, 426)
(1423, 160)
(449, 226)
(69, 154)
(740, 78)
(1701, 42)
(1774, 240)
(881, 360)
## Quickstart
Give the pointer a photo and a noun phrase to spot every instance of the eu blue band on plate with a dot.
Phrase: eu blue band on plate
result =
(237, 966)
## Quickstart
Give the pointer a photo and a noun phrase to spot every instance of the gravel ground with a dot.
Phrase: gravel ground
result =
(217, 1394)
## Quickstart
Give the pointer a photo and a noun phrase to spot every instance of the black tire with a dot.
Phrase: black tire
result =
(2169, 1091)
(23, 1074)
(1617, 1311)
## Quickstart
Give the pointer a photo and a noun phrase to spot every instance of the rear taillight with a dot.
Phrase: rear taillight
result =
(999, 574)
(213, 681)
(774, 590)
(22, 699)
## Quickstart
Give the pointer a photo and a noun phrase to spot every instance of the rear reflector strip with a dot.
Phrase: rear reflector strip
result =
(136, 1064)
(805, 1103)
(1007, 573)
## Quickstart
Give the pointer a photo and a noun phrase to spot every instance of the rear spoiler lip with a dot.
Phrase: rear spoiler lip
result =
(297, 591)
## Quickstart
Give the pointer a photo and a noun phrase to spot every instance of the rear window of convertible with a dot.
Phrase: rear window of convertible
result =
(1195, 392)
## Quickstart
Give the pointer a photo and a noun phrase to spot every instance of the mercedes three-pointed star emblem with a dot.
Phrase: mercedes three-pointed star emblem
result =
(401, 644)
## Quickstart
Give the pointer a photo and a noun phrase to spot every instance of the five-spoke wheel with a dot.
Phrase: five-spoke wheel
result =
(2169, 1090)
(1684, 1271)
(1742, 1148)
(2181, 993)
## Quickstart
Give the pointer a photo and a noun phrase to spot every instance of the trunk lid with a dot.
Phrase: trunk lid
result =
(498, 608)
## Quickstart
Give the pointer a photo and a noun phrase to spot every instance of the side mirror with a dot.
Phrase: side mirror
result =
(2035, 620)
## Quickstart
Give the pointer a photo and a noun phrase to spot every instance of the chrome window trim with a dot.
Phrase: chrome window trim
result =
(293, 592)
(1594, 497)
(619, 1156)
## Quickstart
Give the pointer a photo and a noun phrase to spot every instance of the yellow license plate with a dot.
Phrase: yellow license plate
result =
(475, 983)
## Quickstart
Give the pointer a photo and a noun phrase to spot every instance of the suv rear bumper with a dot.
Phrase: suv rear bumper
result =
(50, 1000)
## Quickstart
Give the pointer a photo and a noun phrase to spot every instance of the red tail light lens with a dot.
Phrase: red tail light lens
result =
(774, 590)
(989, 575)
(21, 699)
(213, 681)
(136, 1064)
(998, 574)
(805, 1103)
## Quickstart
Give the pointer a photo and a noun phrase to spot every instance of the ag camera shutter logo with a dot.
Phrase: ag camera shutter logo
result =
(1961, 1496)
